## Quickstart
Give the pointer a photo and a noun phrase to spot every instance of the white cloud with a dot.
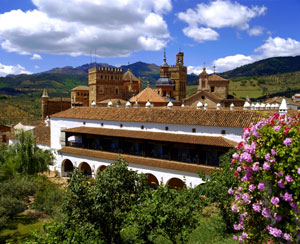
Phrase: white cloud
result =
(278, 47)
(198, 69)
(273, 47)
(256, 31)
(36, 66)
(12, 70)
(36, 57)
(74, 27)
(231, 62)
(220, 14)
(201, 34)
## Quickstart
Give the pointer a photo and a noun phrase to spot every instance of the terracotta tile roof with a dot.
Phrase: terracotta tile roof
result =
(81, 88)
(152, 162)
(42, 134)
(176, 115)
(216, 77)
(146, 95)
(154, 136)
(128, 76)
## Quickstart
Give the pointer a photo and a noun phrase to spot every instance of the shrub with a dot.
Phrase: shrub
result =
(267, 165)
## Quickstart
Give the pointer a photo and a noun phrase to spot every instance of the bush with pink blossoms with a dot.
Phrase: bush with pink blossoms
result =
(267, 165)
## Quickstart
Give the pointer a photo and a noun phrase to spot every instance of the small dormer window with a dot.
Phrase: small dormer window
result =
(121, 125)
(223, 132)
(142, 127)
(203, 97)
(84, 123)
(166, 128)
(102, 124)
(194, 130)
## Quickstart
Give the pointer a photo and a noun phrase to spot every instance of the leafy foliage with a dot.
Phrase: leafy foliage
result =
(24, 156)
(216, 188)
(267, 166)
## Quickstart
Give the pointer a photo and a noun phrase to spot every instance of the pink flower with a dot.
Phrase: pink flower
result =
(280, 174)
(275, 232)
(256, 207)
(286, 236)
(245, 235)
(237, 227)
(268, 156)
(275, 200)
(266, 212)
(277, 128)
(287, 142)
(273, 152)
(277, 217)
(288, 178)
(266, 166)
(261, 186)
(234, 208)
(236, 156)
(280, 184)
(255, 166)
(252, 187)
(287, 197)
(230, 191)
(298, 171)
(246, 157)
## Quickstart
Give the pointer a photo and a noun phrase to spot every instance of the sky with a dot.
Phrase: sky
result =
(38, 35)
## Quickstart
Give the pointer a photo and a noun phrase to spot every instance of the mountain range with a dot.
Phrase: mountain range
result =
(59, 81)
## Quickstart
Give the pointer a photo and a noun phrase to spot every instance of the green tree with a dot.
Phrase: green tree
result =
(216, 188)
(24, 156)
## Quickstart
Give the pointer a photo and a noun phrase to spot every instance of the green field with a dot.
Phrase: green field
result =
(20, 228)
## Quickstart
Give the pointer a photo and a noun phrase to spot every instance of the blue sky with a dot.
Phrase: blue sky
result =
(38, 35)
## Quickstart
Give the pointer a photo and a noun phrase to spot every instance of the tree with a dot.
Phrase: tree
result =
(24, 156)
(216, 188)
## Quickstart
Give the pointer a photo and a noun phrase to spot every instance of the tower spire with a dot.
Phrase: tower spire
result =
(165, 59)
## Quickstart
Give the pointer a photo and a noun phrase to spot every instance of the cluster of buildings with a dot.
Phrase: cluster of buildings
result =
(159, 131)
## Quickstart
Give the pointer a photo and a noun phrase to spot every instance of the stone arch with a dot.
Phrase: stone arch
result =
(101, 168)
(66, 167)
(176, 183)
(152, 180)
(86, 168)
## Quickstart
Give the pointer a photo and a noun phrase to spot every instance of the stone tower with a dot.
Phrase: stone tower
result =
(178, 74)
(45, 99)
(105, 83)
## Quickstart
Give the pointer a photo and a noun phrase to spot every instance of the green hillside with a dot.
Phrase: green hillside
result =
(269, 66)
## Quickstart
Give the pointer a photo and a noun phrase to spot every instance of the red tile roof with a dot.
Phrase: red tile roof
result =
(161, 136)
(176, 115)
(152, 162)
(146, 95)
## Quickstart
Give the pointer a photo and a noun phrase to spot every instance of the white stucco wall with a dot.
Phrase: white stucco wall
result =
(162, 175)
(61, 123)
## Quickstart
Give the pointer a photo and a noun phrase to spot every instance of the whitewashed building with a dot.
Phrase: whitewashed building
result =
(170, 145)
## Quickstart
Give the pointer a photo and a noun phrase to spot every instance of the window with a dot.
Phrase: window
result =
(223, 132)
(203, 97)
(121, 125)
(194, 130)
(83, 122)
(62, 136)
(117, 91)
(212, 89)
(166, 128)
(112, 77)
(77, 93)
(142, 127)
(165, 93)
(102, 124)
